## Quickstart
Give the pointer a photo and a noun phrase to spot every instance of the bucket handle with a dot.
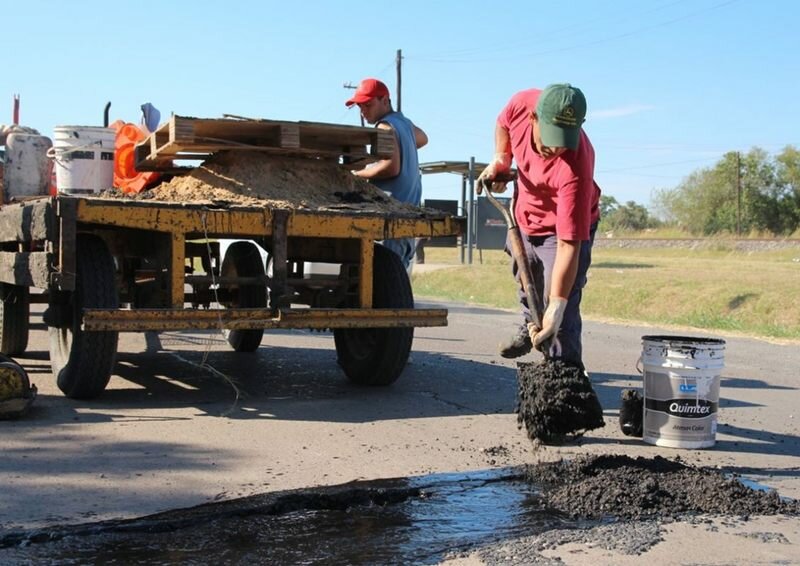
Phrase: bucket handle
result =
(639, 365)
(55, 153)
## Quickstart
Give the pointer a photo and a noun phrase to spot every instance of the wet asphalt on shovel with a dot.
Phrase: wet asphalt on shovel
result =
(556, 398)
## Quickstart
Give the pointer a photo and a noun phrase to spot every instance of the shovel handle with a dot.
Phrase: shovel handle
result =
(519, 256)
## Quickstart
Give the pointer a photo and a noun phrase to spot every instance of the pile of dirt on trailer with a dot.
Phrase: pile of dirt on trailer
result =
(593, 487)
(255, 179)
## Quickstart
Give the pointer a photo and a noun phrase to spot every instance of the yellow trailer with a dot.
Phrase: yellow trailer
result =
(108, 265)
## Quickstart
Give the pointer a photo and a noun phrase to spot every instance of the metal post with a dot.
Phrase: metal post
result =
(738, 196)
(471, 209)
(399, 80)
(463, 211)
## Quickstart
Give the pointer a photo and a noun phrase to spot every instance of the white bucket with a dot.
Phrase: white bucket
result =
(681, 390)
(27, 167)
(84, 159)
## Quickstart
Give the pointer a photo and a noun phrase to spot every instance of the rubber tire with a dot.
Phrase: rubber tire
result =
(244, 260)
(83, 361)
(15, 310)
(377, 356)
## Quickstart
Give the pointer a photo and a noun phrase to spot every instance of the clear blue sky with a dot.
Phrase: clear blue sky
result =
(671, 84)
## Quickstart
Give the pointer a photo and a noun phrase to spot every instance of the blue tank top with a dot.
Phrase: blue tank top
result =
(407, 185)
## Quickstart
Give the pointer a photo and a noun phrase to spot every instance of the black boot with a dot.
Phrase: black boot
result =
(517, 345)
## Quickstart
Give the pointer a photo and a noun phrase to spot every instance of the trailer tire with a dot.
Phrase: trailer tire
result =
(15, 306)
(82, 361)
(377, 356)
(244, 260)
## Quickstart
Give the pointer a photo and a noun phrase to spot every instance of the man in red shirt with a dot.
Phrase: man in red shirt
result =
(555, 206)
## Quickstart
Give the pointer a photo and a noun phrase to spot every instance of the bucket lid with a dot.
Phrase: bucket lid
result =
(684, 340)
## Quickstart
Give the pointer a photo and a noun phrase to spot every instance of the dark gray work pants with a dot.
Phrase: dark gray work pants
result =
(541, 253)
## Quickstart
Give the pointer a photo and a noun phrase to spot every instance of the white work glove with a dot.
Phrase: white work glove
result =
(501, 163)
(551, 322)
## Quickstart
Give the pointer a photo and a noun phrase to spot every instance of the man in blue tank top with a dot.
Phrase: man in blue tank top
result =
(399, 175)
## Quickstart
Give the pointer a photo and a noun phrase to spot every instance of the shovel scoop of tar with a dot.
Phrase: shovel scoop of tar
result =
(556, 401)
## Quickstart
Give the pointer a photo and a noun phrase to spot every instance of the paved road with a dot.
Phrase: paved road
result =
(168, 433)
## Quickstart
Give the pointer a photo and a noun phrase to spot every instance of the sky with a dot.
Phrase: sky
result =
(672, 85)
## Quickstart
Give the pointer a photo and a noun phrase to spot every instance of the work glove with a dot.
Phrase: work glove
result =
(551, 322)
(501, 163)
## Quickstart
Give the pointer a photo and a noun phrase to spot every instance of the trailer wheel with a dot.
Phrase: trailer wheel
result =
(82, 361)
(377, 356)
(244, 260)
(15, 303)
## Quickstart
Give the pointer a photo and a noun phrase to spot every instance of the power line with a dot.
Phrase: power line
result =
(582, 45)
(654, 165)
(538, 37)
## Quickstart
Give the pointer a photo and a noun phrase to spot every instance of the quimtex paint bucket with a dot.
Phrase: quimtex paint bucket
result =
(681, 390)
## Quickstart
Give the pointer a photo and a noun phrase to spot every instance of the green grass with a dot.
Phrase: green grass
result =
(752, 293)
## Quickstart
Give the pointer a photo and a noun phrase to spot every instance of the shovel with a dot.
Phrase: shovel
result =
(556, 398)
(520, 259)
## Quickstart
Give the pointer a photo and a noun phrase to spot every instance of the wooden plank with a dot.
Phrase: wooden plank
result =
(141, 155)
(200, 131)
(137, 320)
(193, 138)
(29, 269)
(279, 295)
(365, 266)
(27, 222)
(290, 136)
(181, 130)
(161, 136)
(252, 222)
(383, 146)
(176, 271)
(381, 141)
(203, 151)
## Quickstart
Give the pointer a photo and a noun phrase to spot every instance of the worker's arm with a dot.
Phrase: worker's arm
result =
(385, 168)
(502, 145)
(500, 163)
(420, 137)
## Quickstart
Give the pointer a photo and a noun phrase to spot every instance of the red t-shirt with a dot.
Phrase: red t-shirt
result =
(557, 195)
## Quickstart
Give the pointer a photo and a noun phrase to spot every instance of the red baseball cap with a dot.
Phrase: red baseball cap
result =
(367, 90)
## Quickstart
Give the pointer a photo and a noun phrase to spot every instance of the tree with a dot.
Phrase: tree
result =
(608, 205)
(788, 177)
(740, 192)
(633, 216)
(629, 216)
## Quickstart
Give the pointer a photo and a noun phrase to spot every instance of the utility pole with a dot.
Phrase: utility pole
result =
(15, 111)
(399, 79)
(738, 196)
(351, 86)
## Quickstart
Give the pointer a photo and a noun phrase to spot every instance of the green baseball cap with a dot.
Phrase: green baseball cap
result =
(561, 110)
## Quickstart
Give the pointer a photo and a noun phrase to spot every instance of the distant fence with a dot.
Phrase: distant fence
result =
(697, 243)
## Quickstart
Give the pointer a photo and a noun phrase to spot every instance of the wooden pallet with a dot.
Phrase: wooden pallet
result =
(184, 138)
